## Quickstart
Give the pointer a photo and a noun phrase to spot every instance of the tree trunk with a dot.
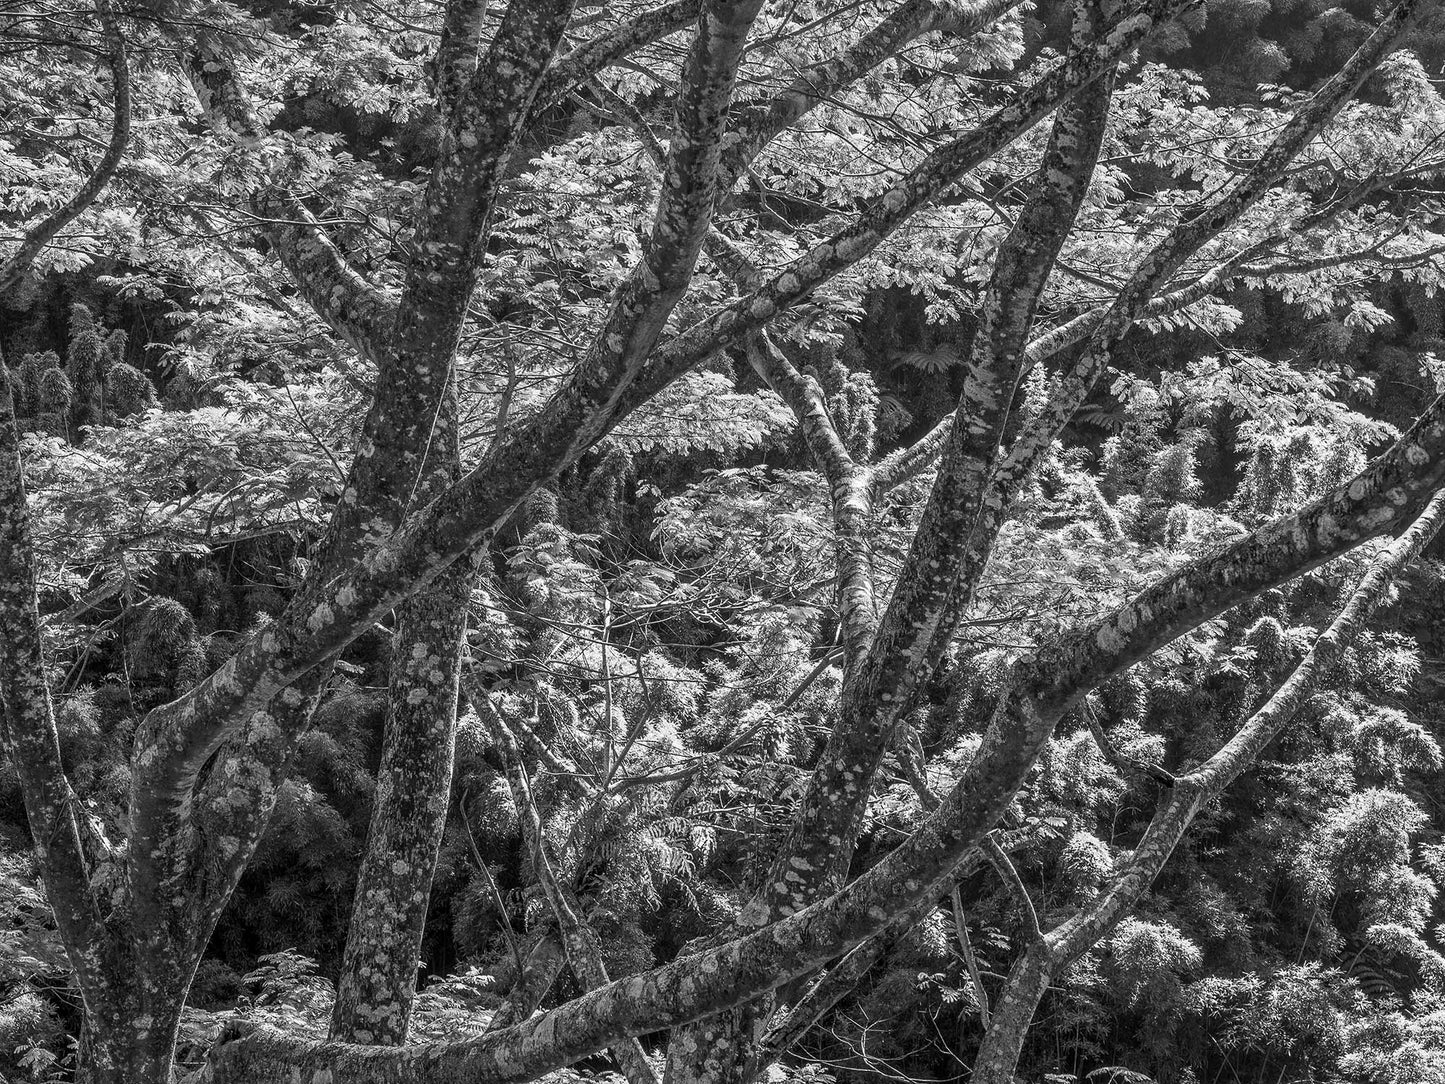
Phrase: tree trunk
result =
(128, 1040)
(1012, 1015)
(378, 973)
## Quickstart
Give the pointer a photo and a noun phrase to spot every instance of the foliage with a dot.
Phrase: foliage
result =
(663, 617)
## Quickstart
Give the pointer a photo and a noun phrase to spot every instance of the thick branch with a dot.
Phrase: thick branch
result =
(758, 124)
(357, 312)
(410, 420)
(998, 1057)
(907, 647)
(1391, 491)
(455, 63)
(690, 188)
(591, 57)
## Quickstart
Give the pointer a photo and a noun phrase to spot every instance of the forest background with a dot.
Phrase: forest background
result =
(594, 744)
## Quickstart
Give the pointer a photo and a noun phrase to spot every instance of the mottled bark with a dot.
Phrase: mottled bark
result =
(906, 649)
(691, 184)
(34, 240)
(31, 741)
(1044, 960)
(130, 997)
(759, 123)
(358, 313)
(404, 422)
(1158, 267)
(540, 968)
(377, 983)
(413, 458)
(391, 565)
(178, 738)
(455, 64)
(886, 665)
(848, 484)
(577, 66)
(187, 849)
(123, 1041)
(1390, 492)
(1027, 982)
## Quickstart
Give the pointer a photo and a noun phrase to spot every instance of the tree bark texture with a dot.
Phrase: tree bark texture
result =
(1391, 491)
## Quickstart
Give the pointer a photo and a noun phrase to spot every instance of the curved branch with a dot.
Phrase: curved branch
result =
(40, 235)
(847, 483)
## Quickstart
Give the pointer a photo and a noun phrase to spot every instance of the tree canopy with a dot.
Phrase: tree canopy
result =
(722, 540)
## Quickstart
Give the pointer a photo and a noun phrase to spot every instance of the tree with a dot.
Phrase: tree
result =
(412, 521)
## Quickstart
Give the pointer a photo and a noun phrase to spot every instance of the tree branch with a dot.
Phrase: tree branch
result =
(1192, 234)
(998, 1056)
(1393, 489)
(455, 64)
(1011, 878)
(847, 483)
(358, 313)
(758, 124)
(690, 190)
(591, 57)
(928, 583)
(1162, 262)
(584, 953)
(42, 233)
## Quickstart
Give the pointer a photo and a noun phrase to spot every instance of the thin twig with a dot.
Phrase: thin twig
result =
(1000, 861)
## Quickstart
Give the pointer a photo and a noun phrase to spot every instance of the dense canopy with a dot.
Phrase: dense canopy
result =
(722, 540)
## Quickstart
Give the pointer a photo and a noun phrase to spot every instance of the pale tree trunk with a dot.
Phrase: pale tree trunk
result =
(379, 969)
